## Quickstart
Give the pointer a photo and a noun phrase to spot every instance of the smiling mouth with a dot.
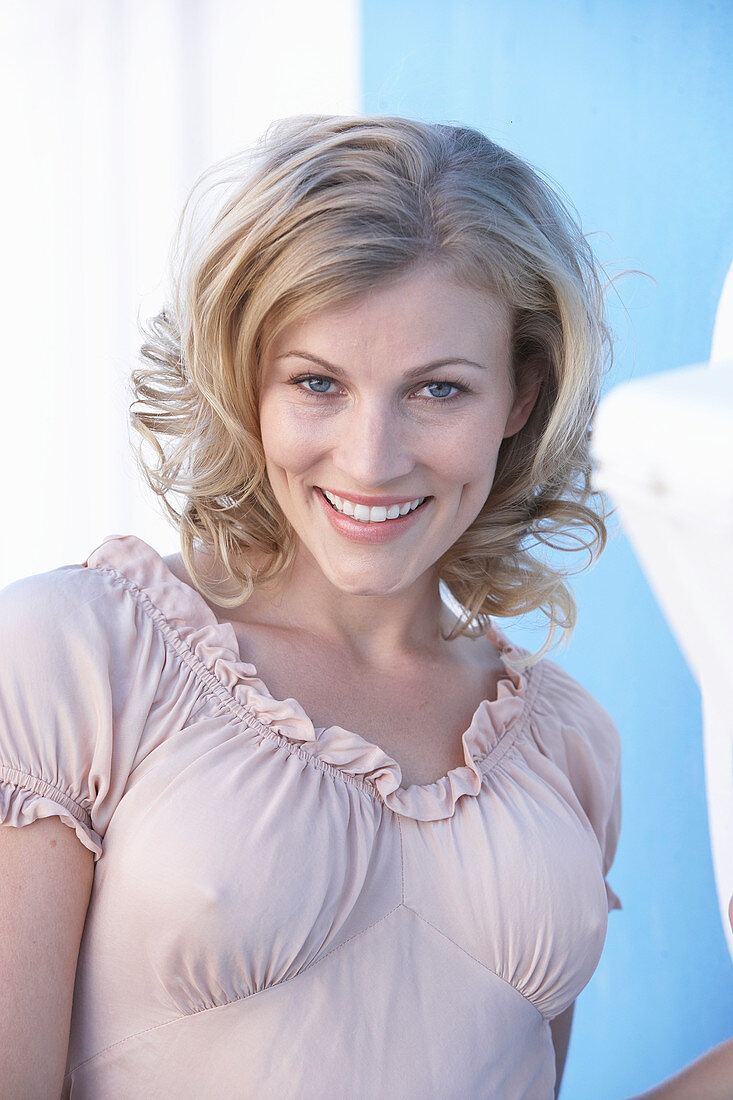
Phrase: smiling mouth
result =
(380, 514)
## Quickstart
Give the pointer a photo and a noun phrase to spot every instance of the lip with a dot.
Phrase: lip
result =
(372, 502)
(373, 533)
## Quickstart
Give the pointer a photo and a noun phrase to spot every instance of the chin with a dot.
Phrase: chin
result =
(369, 585)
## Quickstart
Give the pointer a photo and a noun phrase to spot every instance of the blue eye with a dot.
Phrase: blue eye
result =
(440, 391)
(312, 383)
(437, 392)
(443, 387)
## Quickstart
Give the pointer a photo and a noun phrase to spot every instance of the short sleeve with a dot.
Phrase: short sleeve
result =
(575, 731)
(77, 678)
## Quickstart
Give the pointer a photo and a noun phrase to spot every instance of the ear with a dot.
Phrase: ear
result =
(525, 398)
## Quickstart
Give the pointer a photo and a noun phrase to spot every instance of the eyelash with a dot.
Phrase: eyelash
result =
(459, 385)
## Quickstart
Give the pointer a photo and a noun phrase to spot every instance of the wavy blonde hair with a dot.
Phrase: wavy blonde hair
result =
(321, 210)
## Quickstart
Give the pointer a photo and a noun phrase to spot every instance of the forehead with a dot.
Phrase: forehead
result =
(425, 312)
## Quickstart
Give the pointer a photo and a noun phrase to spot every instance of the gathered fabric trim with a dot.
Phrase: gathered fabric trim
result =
(210, 649)
(214, 686)
(25, 798)
(21, 780)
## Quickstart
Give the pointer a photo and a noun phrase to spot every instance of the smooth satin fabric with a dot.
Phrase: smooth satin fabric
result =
(273, 915)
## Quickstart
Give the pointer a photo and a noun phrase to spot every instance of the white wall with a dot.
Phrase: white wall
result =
(111, 109)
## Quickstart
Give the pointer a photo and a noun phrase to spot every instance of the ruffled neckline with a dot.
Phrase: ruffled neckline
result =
(214, 644)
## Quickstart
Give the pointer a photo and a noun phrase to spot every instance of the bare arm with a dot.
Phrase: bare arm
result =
(45, 882)
(709, 1078)
(560, 1028)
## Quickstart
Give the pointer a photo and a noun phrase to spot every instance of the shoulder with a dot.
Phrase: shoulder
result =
(585, 723)
(81, 666)
(571, 702)
(75, 630)
(566, 722)
(579, 747)
(59, 589)
(563, 713)
(80, 650)
(74, 601)
(574, 731)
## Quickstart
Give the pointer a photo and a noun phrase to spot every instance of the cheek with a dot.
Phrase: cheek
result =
(290, 447)
(468, 458)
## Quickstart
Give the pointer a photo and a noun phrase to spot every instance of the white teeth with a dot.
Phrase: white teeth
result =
(372, 515)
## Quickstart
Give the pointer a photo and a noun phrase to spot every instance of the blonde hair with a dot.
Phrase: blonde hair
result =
(321, 210)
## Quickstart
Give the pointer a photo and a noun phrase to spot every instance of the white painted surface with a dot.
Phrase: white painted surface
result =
(112, 108)
(663, 446)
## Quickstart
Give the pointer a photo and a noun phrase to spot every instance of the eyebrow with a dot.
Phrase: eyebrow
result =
(409, 375)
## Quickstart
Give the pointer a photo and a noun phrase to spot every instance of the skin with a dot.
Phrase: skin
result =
(708, 1078)
(376, 427)
(376, 436)
(375, 432)
(356, 631)
(560, 1029)
(353, 401)
(45, 882)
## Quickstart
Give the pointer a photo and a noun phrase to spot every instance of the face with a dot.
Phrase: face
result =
(381, 424)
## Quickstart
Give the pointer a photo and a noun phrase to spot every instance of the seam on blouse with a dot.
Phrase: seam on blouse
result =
(221, 695)
(25, 781)
(402, 859)
(482, 964)
(234, 1000)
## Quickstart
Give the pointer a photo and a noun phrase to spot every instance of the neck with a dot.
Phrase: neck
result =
(375, 629)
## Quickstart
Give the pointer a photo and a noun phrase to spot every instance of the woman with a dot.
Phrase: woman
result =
(338, 836)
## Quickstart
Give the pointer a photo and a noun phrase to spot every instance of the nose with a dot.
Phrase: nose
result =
(372, 448)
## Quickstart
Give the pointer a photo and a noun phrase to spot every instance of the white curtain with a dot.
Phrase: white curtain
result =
(111, 109)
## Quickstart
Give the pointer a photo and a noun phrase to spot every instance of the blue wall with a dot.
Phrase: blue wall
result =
(628, 107)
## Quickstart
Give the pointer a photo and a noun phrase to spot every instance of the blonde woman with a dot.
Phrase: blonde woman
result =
(296, 818)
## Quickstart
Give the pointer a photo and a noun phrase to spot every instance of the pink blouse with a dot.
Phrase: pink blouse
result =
(273, 915)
